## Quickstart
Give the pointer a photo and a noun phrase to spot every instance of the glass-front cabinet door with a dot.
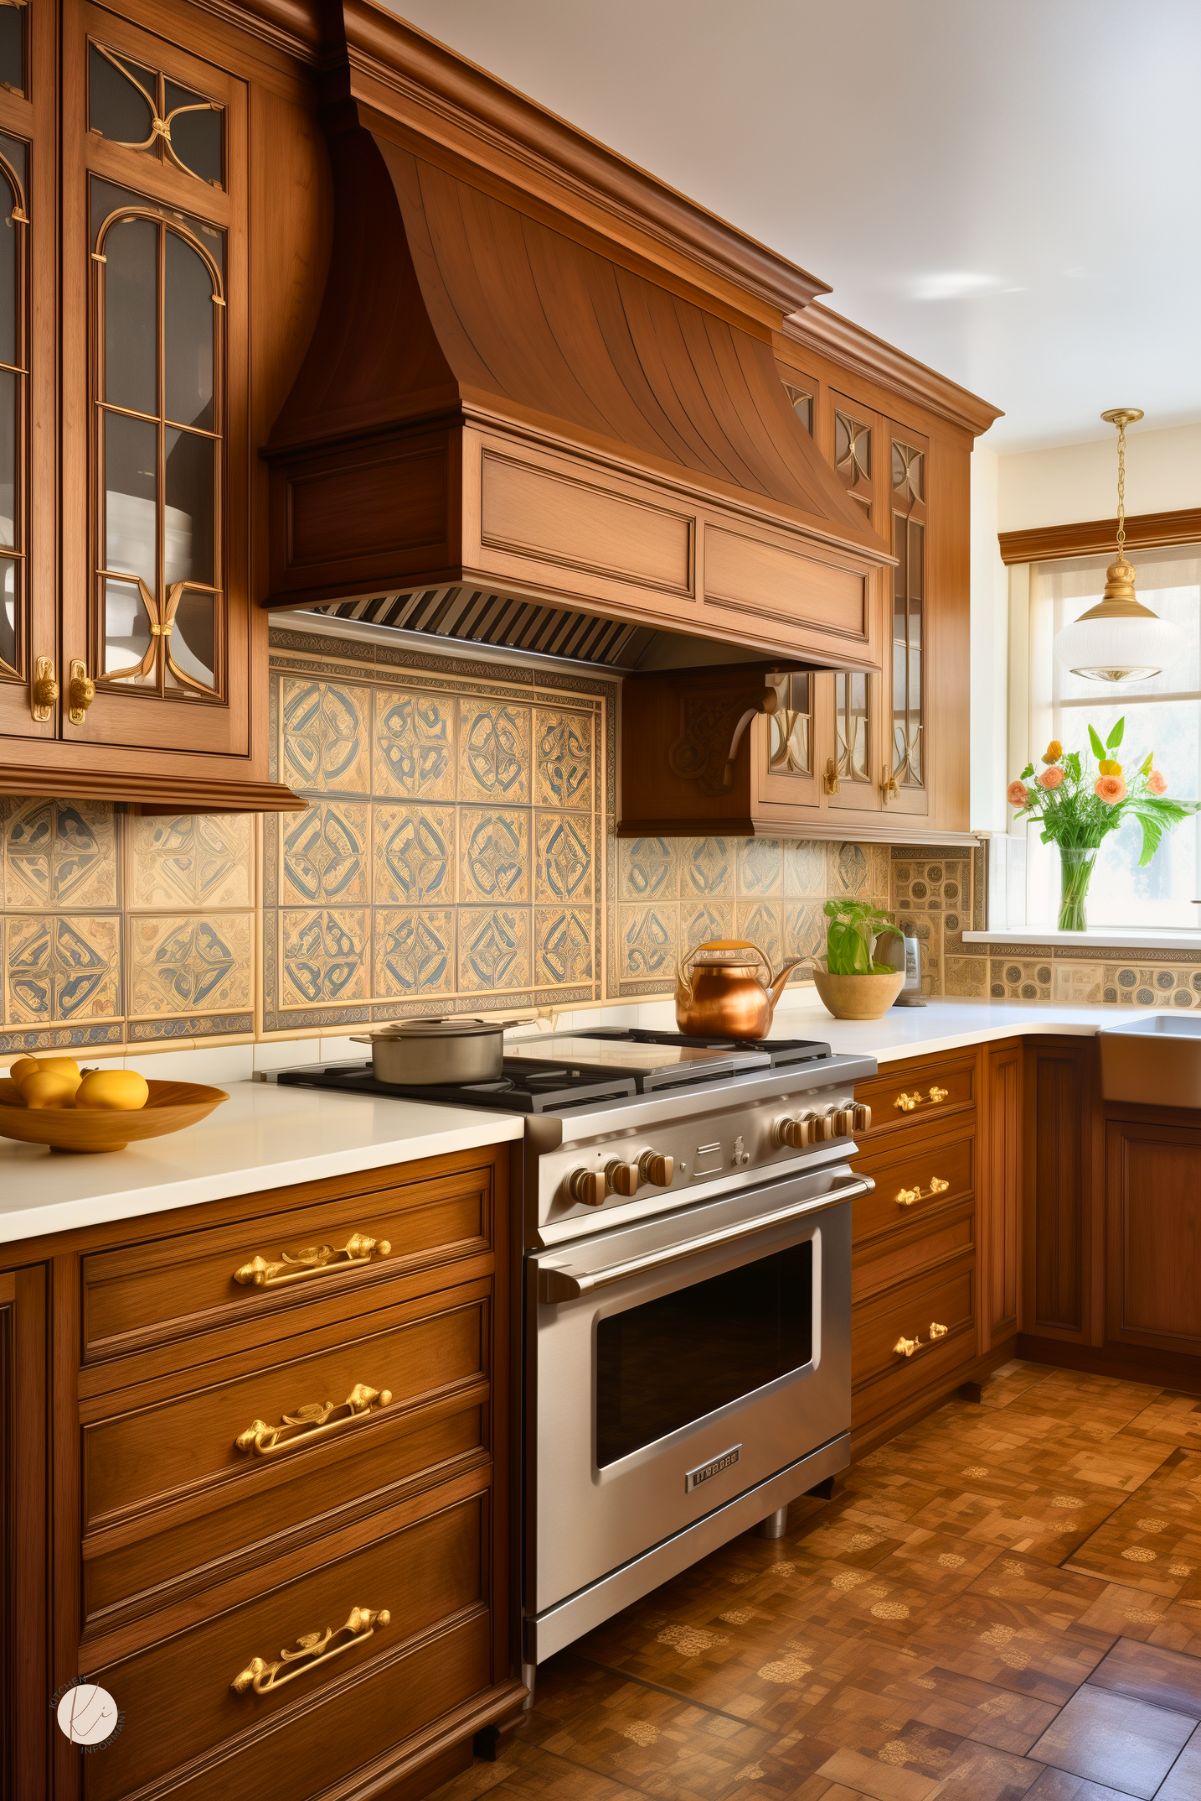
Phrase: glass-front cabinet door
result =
(907, 789)
(28, 354)
(852, 754)
(786, 746)
(154, 626)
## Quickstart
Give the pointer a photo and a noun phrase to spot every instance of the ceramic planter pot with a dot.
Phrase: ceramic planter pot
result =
(858, 997)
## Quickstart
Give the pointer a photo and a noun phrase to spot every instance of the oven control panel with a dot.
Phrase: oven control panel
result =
(640, 1170)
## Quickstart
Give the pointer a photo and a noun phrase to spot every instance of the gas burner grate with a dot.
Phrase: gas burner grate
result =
(525, 1087)
(784, 1052)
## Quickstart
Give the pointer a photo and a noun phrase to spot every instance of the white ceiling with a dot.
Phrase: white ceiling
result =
(1010, 190)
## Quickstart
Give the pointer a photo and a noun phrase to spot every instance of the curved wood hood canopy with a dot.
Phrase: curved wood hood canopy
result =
(502, 394)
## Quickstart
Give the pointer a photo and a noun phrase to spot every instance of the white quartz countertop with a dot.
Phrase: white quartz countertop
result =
(261, 1137)
(943, 1025)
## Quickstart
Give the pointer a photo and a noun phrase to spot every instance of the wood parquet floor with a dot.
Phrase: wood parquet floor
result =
(1004, 1604)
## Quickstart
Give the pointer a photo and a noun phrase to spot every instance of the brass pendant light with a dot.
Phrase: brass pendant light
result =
(1118, 639)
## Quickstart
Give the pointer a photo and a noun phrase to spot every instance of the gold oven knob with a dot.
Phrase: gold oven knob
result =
(796, 1133)
(589, 1186)
(863, 1116)
(657, 1169)
(623, 1178)
(825, 1125)
(844, 1121)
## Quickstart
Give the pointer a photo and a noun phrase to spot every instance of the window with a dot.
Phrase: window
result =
(1162, 715)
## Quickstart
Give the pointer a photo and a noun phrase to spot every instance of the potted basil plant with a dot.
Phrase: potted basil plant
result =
(853, 985)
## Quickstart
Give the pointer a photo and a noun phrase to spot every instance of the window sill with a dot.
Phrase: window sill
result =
(1098, 938)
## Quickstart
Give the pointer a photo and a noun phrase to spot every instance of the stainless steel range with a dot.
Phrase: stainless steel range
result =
(687, 1211)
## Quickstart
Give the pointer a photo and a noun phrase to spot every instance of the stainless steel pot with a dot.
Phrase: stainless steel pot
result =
(422, 1052)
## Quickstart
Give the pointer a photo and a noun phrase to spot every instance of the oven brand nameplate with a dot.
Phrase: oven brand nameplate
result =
(703, 1471)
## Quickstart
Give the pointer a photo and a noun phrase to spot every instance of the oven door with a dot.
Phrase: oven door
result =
(677, 1363)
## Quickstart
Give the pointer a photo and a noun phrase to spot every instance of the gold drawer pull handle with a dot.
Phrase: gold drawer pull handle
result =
(312, 1648)
(313, 1260)
(909, 1197)
(311, 1421)
(905, 1347)
(908, 1102)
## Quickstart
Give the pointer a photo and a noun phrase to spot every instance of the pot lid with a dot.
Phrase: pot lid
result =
(440, 1028)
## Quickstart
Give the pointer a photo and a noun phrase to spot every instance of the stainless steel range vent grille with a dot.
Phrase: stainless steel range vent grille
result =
(475, 616)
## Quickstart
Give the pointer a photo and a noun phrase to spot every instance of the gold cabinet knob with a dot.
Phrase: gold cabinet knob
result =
(938, 1095)
(590, 1186)
(937, 1331)
(888, 783)
(44, 691)
(81, 692)
(907, 1347)
(623, 1178)
(907, 1102)
(831, 776)
(657, 1168)
(909, 1197)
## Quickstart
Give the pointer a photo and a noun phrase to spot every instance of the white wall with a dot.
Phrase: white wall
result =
(1049, 487)
(1077, 481)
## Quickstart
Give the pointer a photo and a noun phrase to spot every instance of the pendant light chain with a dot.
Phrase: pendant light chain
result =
(1121, 490)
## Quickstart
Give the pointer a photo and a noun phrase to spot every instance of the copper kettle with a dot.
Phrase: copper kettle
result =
(719, 993)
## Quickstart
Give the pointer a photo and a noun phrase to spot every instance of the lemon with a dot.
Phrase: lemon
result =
(24, 1066)
(48, 1088)
(114, 1090)
(66, 1066)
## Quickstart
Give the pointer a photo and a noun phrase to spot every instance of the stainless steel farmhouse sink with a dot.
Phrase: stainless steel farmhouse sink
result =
(1154, 1061)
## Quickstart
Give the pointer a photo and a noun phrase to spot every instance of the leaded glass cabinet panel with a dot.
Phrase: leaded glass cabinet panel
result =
(908, 635)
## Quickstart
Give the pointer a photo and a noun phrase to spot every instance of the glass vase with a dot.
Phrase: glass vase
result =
(1075, 874)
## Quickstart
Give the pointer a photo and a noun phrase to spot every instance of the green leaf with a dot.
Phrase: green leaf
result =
(1026, 773)
(1152, 834)
(1095, 741)
(1147, 764)
(1072, 764)
(1115, 737)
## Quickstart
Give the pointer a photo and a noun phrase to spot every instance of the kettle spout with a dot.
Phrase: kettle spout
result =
(775, 984)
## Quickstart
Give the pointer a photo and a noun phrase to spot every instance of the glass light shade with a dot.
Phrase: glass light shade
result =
(1118, 645)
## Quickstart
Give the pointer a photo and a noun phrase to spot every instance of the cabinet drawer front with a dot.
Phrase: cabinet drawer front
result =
(907, 1255)
(913, 1093)
(151, 1453)
(142, 1564)
(178, 1696)
(914, 1177)
(147, 1293)
(882, 1375)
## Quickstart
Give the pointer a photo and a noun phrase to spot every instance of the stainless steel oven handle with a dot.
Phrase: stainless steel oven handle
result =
(562, 1285)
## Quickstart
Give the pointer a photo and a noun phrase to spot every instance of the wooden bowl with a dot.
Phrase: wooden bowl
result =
(858, 997)
(171, 1106)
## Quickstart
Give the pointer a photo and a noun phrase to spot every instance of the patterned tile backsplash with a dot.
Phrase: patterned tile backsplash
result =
(456, 854)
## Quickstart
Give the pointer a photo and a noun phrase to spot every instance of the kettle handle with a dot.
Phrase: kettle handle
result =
(686, 961)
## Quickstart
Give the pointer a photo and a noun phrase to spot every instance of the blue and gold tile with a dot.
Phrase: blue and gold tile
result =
(762, 923)
(414, 952)
(63, 969)
(494, 752)
(494, 855)
(564, 951)
(563, 757)
(415, 744)
(806, 874)
(188, 963)
(647, 869)
(564, 858)
(707, 868)
(326, 738)
(324, 954)
(326, 854)
(703, 921)
(804, 929)
(647, 938)
(60, 855)
(196, 860)
(415, 856)
(760, 869)
(494, 949)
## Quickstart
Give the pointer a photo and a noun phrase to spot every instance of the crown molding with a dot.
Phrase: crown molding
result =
(1086, 537)
(819, 328)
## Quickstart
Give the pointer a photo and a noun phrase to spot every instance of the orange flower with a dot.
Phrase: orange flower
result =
(1157, 782)
(1051, 778)
(1018, 794)
(1107, 766)
(1053, 751)
(1110, 788)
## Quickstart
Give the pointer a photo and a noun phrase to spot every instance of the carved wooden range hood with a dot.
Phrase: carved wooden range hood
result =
(538, 375)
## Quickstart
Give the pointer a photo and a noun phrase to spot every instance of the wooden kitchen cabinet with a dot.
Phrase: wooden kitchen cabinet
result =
(1001, 1193)
(856, 751)
(26, 1605)
(1062, 1239)
(132, 661)
(1153, 1233)
(280, 1494)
